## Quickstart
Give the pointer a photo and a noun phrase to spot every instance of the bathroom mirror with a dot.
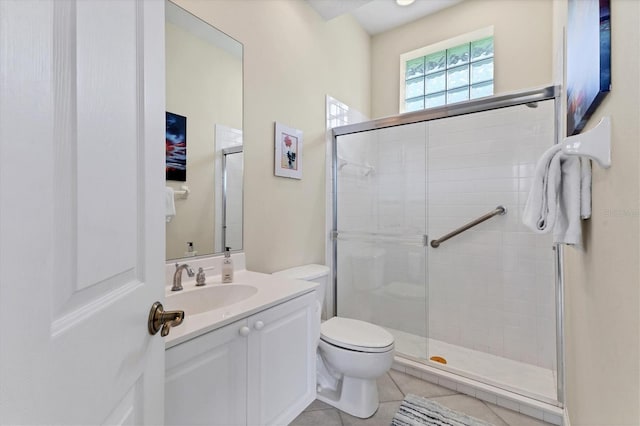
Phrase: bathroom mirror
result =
(204, 118)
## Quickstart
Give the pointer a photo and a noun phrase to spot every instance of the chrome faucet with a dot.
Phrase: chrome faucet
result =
(177, 276)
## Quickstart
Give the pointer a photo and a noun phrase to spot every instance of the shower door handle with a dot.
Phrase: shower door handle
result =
(500, 210)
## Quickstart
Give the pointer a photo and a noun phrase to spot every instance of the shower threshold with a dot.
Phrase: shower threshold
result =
(521, 378)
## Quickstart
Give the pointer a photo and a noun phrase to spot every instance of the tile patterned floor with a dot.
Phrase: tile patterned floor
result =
(392, 388)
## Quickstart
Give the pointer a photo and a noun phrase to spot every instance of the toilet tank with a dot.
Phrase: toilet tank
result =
(311, 272)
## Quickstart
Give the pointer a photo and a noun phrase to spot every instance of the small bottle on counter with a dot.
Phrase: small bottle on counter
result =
(191, 252)
(227, 267)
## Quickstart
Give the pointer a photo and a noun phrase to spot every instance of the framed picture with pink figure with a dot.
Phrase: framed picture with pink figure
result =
(288, 159)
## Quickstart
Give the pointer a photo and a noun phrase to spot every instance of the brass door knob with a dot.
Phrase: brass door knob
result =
(161, 320)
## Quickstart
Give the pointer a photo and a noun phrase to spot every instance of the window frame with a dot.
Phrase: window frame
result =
(437, 47)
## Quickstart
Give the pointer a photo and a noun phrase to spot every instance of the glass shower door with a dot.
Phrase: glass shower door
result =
(483, 303)
(232, 173)
(381, 227)
(492, 304)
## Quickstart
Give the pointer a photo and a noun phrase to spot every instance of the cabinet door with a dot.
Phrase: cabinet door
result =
(282, 361)
(206, 379)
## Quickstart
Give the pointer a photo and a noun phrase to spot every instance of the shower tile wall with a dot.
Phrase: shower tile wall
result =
(400, 171)
(357, 189)
(490, 288)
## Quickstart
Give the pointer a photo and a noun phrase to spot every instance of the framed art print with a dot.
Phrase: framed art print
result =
(288, 148)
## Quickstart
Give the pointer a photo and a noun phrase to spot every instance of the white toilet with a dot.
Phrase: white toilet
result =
(352, 354)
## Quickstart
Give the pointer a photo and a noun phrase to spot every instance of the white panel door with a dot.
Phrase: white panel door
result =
(81, 221)
(206, 379)
(282, 361)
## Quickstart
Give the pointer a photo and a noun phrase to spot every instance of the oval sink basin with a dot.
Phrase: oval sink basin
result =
(209, 298)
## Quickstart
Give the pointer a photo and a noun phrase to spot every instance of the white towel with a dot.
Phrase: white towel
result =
(170, 205)
(568, 229)
(560, 195)
(536, 213)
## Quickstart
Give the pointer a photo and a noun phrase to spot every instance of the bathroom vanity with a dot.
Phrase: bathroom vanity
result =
(248, 361)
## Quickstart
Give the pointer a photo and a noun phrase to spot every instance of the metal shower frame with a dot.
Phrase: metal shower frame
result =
(453, 110)
(227, 151)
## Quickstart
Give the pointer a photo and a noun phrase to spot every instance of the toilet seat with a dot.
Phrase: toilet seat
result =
(356, 335)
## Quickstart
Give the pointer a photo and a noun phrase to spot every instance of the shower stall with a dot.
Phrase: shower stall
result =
(485, 303)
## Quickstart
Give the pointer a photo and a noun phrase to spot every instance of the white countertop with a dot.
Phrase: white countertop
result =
(272, 290)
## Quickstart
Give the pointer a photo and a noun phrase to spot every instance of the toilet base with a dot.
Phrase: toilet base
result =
(358, 397)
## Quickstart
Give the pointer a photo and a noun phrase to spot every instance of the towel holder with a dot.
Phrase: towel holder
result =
(184, 191)
(368, 169)
(594, 144)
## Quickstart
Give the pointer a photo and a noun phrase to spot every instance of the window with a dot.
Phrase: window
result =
(458, 73)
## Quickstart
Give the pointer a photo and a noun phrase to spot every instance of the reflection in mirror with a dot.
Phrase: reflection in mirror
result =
(231, 235)
(204, 84)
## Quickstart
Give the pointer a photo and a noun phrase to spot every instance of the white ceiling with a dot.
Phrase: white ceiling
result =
(377, 16)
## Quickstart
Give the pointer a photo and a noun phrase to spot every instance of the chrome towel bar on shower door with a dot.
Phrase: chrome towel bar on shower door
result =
(375, 237)
(500, 210)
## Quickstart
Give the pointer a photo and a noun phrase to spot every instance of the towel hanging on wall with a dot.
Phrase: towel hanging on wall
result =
(560, 196)
(561, 191)
(170, 205)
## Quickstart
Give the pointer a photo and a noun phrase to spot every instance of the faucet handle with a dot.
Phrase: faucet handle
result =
(200, 278)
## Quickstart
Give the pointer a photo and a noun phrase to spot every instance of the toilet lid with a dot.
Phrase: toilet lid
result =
(356, 335)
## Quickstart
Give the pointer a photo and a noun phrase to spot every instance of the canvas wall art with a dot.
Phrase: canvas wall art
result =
(588, 60)
(176, 147)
